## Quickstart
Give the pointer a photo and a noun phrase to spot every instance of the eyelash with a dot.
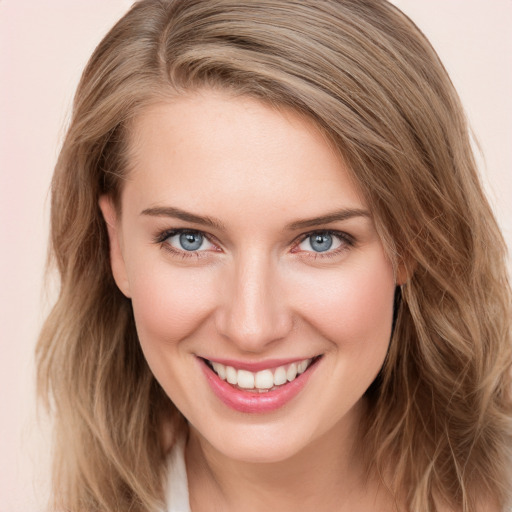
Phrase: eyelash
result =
(161, 238)
(346, 240)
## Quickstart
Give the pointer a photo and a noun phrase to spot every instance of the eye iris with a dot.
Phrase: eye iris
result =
(321, 242)
(191, 241)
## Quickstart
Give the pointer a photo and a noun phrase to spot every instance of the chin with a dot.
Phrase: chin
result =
(271, 452)
(263, 444)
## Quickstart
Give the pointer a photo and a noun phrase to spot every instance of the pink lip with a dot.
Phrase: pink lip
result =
(253, 402)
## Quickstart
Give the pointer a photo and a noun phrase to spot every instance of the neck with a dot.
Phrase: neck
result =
(328, 471)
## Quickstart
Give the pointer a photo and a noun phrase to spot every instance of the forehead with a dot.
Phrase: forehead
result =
(218, 145)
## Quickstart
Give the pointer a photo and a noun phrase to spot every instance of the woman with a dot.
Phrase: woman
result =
(282, 285)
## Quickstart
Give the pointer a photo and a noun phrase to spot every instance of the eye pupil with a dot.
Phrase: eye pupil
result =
(191, 241)
(321, 242)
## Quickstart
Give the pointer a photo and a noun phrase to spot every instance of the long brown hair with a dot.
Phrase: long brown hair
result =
(441, 409)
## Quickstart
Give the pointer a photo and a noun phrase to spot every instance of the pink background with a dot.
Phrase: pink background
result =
(43, 48)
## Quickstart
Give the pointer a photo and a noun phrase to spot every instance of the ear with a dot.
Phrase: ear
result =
(116, 247)
(404, 272)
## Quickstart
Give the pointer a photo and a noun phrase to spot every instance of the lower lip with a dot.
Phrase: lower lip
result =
(254, 402)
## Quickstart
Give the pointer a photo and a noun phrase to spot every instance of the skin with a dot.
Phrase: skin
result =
(255, 290)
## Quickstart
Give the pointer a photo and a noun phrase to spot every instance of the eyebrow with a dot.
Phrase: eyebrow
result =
(337, 216)
(177, 213)
(170, 211)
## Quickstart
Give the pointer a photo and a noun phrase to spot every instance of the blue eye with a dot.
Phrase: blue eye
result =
(191, 241)
(321, 241)
(188, 241)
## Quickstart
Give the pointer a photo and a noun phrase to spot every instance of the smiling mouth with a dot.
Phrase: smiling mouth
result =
(263, 381)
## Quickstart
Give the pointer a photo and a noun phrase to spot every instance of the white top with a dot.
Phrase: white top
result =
(176, 494)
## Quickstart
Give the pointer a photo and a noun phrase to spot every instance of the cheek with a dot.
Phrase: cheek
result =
(353, 306)
(169, 304)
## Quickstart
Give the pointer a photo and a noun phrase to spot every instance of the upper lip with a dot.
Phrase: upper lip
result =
(255, 366)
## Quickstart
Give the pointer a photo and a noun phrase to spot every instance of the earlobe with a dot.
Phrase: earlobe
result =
(117, 262)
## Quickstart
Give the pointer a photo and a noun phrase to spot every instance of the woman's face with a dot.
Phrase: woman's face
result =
(262, 295)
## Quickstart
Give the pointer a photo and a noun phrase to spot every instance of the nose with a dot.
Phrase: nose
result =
(254, 311)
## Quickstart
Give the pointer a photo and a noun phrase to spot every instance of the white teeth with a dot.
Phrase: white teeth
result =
(262, 380)
(280, 376)
(301, 367)
(245, 379)
(291, 373)
(231, 375)
(220, 369)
